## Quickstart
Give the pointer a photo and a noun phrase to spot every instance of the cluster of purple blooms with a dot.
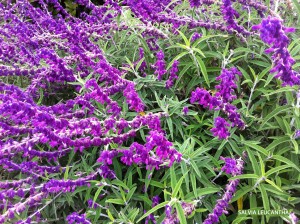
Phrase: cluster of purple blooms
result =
(160, 69)
(153, 11)
(143, 154)
(221, 100)
(229, 15)
(75, 218)
(196, 36)
(274, 33)
(28, 48)
(160, 65)
(233, 167)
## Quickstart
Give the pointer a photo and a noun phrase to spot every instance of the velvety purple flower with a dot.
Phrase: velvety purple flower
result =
(20, 193)
(132, 98)
(106, 172)
(222, 204)
(92, 204)
(273, 33)
(220, 129)
(195, 3)
(127, 157)
(229, 15)
(161, 148)
(201, 96)
(143, 65)
(75, 218)
(160, 65)
(196, 36)
(185, 110)
(168, 210)
(233, 115)
(297, 134)
(106, 157)
(173, 74)
(155, 200)
(230, 166)
(228, 79)
(188, 208)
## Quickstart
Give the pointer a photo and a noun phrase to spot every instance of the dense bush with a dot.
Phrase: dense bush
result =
(149, 111)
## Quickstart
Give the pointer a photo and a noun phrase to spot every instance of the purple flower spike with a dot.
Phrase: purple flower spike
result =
(231, 166)
(202, 97)
(229, 14)
(273, 33)
(227, 84)
(231, 187)
(173, 74)
(160, 65)
(106, 157)
(75, 218)
(195, 3)
(196, 36)
(220, 129)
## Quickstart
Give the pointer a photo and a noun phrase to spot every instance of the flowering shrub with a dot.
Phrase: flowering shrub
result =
(148, 111)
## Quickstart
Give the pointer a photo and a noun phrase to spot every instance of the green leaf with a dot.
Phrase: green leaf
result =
(97, 193)
(66, 174)
(240, 193)
(297, 6)
(277, 142)
(276, 169)
(273, 184)
(239, 220)
(199, 52)
(173, 177)
(245, 176)
(205, 38)
(180, 213)
(296, 146)
(256, 147)
(115, 201)
(265, 198)
(177, 58)
(254, 162)
(130, 193)
(41, 96)
(195, 168)
(262, 165)
(186, 41)
(281, 90)
(260, 63)
(177, 187)
(226, 50)
(274, 113)
(170, 125)
(201, 191)
(110, 215)
(287, 161)
(161, 205)
(203, 70)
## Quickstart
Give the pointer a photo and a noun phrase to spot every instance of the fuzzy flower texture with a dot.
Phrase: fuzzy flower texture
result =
(233, 167)
(221, 101)
(272, 32)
